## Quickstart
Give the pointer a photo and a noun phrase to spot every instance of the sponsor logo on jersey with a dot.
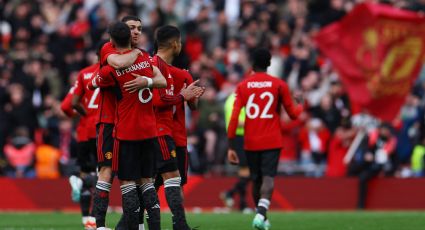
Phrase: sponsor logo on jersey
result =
(170, 91)
(87, 76)
(259, 84)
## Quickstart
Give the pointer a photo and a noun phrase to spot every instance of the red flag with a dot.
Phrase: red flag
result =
(378, 51)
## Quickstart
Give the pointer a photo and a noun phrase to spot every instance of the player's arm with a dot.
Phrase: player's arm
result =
(103, 79)
(77, 105)
(293, 110)
(233, 125)
(77, 95)
(140, 82)
(121, 61)
(66, 106)
(161, 99)
(193, 104)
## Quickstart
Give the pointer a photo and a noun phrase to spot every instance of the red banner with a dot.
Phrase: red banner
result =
(378, 51)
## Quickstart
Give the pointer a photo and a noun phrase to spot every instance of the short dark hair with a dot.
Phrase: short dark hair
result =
(120, 34)
(131, 18)
(166, 33)
(261, 58)
(99, 46)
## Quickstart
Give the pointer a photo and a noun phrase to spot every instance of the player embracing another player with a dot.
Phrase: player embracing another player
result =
(262, 96)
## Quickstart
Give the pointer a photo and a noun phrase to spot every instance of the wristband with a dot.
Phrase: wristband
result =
(150, 81)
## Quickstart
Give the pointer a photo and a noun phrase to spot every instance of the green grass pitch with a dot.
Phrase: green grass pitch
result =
(236, 221)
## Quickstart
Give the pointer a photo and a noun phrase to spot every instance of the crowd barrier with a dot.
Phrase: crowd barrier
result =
(203, 194)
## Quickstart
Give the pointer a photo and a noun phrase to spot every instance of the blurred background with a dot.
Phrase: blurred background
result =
(44, 43)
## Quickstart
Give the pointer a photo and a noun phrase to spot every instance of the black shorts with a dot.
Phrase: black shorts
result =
(105, 144)
(135, 159)
(238, 146)
(166, 155)
(86, 155)
(263, 163)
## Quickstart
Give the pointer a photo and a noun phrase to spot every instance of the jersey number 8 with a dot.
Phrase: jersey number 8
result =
(142, 97)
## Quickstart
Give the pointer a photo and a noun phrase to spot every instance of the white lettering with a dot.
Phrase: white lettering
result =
(134, 67)
(260, 84)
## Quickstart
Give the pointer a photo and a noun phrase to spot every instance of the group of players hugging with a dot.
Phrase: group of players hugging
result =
(132, 125)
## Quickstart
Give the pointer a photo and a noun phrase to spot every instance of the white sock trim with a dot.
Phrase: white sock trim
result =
(264, 203)
(104, 186)
(173, 182)
(146, 186)
(127, 188)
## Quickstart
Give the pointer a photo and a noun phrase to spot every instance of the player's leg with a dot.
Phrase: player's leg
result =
(243, 173)
(167, 167)
(129, 167)
(243, 177)
(182, 165)
(269, 162)
(254, 164)
(87, 162)
(105, 143)
(147, 189)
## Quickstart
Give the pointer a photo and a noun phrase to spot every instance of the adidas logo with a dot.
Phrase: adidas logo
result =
(138, 210)
(155, 206)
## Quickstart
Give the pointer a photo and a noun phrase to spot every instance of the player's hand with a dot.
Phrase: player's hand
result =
(192, 91)
(232, 157)
(137, 51)
(199, 89)
(136, 84)
(298, 97)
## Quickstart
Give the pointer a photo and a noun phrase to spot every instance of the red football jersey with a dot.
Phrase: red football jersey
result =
(182, 79)
(107, 100)
(262, 96)
(66, 104)
(134, 117)
(89, 98)
(107, 49)
(66, 107)
(164, 99)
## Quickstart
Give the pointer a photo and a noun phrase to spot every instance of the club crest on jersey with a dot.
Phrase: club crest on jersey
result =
(108, 155)
(173, 153)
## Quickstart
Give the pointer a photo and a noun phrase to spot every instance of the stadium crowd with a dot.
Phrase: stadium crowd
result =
(45, 43)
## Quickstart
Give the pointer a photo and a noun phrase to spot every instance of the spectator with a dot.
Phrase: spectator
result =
(418, 159)
(314, 140)
(338, 148)
(47, 160)
(381, 145)
(20, 154)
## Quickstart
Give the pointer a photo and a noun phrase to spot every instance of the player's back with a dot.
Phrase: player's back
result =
(89, 98)
(135, 118)
(261, 96)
